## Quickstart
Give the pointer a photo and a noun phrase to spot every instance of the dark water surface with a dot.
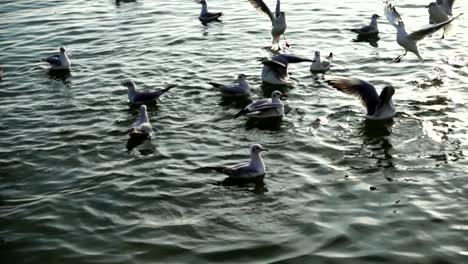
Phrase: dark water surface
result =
(71, 193)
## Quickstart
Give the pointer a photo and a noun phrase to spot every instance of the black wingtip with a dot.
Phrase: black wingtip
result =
(241, 112)
(216, 85)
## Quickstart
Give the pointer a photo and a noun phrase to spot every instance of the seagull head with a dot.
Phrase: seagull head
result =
(375, 16)
(401, 24)
(278, 95)
(62, 49)
(142, 109)
(129, 84)
(387, 93)
(432, 4)
(203, 2)
(241, 76)
(257, 148)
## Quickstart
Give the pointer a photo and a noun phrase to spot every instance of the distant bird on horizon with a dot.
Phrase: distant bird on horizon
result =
(264, 108)
(379, 107)
(245, 171)
(143, 97)
(241, 88)
(278, 21)
(319, 66)
(371, 29)
(275, 70)
(409, 41)
(59, 61)
(205, 16)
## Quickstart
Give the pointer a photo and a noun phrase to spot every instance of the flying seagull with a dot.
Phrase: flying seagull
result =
(278, 21)
(251, 170)
(144, 97)
(409, 41)
(379, 107)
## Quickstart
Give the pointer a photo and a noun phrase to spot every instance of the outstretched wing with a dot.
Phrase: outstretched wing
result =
(263, 8)
(422, 33)
(289, 58)
(361, 89)
(278, 8)
(392, 14)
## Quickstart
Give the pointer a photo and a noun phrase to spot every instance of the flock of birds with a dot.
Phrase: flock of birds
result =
(275, 72)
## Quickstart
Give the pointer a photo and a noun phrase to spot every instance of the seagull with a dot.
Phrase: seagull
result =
(145, 97)
(275, 71)
(264, 108)
(371, 29)
(440, 11)
(205, 16)
(255, 168)
(409, 41)
(319, 66)
(141, 127)
(278, 21)
(59, 61)
(241, 88)
(446, 6)
(378, 107)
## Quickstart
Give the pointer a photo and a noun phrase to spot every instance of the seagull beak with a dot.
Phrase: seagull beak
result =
(264, 149)
(427, 6)
(283, 96)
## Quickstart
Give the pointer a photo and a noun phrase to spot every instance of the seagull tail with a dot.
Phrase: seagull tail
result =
(217, 85)
(215, 168)
(241, 112)
(167, 88)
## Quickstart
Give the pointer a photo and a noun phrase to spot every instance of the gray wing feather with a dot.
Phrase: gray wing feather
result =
(422, 33)
(363, 90)
(263, 8)
(392, 14)
(53, 60)
(289, 58)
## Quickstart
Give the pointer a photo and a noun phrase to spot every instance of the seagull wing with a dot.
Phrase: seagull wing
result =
(392, 14)
(150, 96)
(361, 89)
(278, 8)
(53, 60)
(424, 32)
(289, 58)
(263, 8)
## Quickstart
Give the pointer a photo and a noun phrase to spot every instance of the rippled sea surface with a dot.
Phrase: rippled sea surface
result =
(337, 189)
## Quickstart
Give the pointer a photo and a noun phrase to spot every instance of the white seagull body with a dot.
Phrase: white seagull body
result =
(60, 61)
(379, 107)
(142, 126)
(241, 88)
(145, 97)
(205, 16)
(264, 108)
(371, 29)
(319, 66)
(275, 71)
(409, 41)
(251, 170)
(278, 21)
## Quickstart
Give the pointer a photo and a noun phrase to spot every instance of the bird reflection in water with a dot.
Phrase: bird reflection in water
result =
(256, 185)
(371, 39)
(375, 140)
(60, 75)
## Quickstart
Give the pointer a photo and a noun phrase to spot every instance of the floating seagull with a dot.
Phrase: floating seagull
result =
(378, 107)
(265, 108)
(241, 88)
(319, 66)
(145, 97)
(141, 127)
(278, 21)
(409, 41)
(205, 16)
(371, 29)
(255, 168)
(275, 71)
(59, 61)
